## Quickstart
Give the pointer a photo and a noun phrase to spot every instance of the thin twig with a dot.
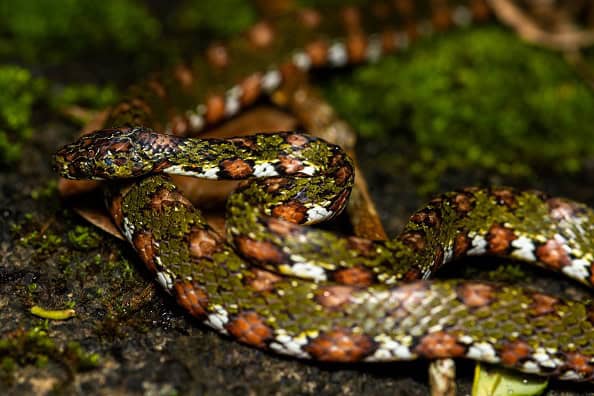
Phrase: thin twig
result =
(570, 38)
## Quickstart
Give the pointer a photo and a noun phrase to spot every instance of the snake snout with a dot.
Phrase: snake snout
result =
(71, 164)
(93, 156)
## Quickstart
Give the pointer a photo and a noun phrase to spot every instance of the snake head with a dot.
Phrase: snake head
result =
(105, 154)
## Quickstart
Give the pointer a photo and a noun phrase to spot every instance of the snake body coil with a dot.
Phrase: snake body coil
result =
(314, 294)
(280, 285)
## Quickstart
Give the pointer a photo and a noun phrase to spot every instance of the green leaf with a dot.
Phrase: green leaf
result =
(495, 381)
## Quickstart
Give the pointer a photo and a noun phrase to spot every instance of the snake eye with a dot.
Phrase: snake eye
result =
(82, 166)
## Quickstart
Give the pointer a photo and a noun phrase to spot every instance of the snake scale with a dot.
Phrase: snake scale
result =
(279, 284)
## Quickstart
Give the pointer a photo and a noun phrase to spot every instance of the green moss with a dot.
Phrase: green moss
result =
(505, 272)
(87, 95)
(330, 3)
(83, 359)
(225, 17)
(121, 268)
(38, 30)
(36, 347)
(84, 238)
(45, 191)
(41, 242)
(18, 93)
(478, 98)
(32, 287)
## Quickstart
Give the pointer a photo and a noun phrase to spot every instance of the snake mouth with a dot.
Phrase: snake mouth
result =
(77, 168)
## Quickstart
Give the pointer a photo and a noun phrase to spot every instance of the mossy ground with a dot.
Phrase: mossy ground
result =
(59, 57)
(472, 100)
(127, 335)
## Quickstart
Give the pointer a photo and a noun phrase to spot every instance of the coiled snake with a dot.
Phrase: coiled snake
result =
(340, 298)
(314, 294)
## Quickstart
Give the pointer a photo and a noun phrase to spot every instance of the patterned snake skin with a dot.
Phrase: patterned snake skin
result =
(278, 284)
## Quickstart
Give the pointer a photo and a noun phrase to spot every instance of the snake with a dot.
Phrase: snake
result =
(278, 282)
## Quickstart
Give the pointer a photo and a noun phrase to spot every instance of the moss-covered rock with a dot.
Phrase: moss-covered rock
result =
(478, 98)
(19, 90)
(42, 31)
(88, 95)
(21, 93)
(35, 346)
(225, 17)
